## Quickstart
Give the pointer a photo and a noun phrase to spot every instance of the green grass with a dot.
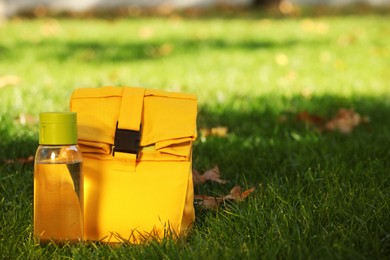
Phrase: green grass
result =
(318, 195)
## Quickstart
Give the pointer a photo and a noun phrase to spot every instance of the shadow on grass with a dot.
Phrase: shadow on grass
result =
(266, 141)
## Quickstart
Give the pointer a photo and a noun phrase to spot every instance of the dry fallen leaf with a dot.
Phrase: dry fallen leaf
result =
(310, 118)
(219, 131)
(29, 159)
(9, 80)
(237, 194)
(210, 202)
(345, 121)
(212, 174)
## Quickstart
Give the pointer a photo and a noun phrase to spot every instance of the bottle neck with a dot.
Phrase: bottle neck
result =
(69, 153)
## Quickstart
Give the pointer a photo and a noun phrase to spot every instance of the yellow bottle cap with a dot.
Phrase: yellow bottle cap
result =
(58, 128)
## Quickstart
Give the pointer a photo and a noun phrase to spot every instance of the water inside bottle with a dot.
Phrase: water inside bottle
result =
(58, 202)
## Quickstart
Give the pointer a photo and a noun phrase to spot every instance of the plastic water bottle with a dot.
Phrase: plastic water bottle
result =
(58, 187)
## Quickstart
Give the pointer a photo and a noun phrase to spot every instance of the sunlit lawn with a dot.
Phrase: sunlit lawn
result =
(318, 194)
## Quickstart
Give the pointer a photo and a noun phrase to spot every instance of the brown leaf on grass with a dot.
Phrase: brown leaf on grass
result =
(210, 202)
(237, 194)
(345, 121)
(212, 174)
(29, 159)
(219, 131)
(9, 80)
(310, 118)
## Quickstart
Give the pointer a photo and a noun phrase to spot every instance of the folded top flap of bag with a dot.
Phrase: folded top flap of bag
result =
(168, 121)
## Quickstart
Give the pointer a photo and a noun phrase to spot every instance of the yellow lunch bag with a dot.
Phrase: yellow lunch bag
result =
(136, 145)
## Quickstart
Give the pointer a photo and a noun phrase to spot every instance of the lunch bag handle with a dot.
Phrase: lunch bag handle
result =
(128, 129)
